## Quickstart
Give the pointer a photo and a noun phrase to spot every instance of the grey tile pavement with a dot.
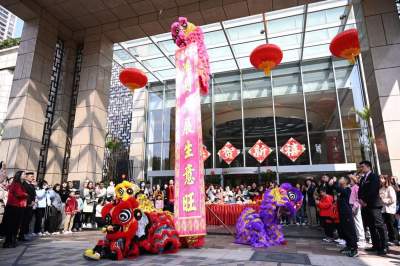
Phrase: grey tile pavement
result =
(219, 250)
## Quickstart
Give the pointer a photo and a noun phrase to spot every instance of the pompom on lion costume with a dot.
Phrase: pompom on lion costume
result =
(262, 229)
(133, 227)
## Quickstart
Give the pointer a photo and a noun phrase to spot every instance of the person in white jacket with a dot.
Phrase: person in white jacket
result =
(43, 201)
(388, 196)
(110, 191)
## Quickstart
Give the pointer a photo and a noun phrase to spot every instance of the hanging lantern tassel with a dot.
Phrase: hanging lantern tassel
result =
(133, 78)
(346, 45)
(266, 57)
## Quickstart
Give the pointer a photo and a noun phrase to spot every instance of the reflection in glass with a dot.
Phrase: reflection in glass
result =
(351, 97)
(228, 116)
(154, 156)
(258, 115)
(322, 112)
(289, 111)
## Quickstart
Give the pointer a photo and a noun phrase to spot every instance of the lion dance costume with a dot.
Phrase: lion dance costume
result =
(133, 226)
(184, 33)
(262, 229)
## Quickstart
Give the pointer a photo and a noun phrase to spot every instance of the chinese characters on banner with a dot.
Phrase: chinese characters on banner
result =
(293, 149)
(260, 151)
(228, 153)
(189, 207)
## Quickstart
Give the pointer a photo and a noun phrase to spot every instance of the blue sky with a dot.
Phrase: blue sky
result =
(18, 28)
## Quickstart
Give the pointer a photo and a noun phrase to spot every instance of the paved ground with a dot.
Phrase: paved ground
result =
(219, 250)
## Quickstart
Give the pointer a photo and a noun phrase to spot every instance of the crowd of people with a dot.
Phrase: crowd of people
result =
(353, 210)
(29, 208)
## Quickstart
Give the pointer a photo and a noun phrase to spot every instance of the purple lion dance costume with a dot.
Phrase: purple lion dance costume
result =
(262, 229)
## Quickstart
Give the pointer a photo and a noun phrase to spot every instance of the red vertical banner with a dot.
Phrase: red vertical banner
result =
(189, 205)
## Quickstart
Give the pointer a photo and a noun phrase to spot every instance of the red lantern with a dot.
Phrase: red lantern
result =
(133, 78)
(266, 57)
(346, 45)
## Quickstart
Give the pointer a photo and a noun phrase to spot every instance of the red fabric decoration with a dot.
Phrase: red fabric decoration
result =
(346, 45)
(266, 57)
(133, 78)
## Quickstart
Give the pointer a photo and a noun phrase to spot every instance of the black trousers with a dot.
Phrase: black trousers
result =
(39, 215)
(328, 225)
(52, 223)
(348, 230)
(78, 220)
(12, 221)
(364, 216)
(393, 232)
(26, 221)
(377, 228)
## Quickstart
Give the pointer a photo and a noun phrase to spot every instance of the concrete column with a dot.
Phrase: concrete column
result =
(138, 127)
(380, 39)
(88, 141)
(56, 150)
(29, 95)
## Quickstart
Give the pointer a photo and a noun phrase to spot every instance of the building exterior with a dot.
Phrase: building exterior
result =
(7, 24)
(61, 107)
(8, 58)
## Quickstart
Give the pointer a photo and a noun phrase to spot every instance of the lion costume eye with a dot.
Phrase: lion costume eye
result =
(138, 214)
(292, 196)
(107, 219)
(129, 191)
(121, 191)
(125, 215)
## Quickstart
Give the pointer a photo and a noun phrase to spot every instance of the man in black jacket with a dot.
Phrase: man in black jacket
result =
(29, 185)
(371, 203)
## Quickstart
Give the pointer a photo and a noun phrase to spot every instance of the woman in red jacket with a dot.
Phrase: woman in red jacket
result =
(325, 206)
(13, 214)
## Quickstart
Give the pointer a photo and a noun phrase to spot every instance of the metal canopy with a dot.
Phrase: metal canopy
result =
(303, 33)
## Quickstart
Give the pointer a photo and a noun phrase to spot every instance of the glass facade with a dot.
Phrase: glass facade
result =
(310, 97)
(314, 102)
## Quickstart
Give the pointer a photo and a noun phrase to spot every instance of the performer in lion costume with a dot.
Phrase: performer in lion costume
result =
(133, 227)
(261, 228)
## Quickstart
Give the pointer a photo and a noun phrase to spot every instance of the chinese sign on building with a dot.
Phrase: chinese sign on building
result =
(189, 208)
(228, 153)
(293, 149)
(260, 151)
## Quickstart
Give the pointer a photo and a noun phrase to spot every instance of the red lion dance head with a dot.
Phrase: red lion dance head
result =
(129, 230)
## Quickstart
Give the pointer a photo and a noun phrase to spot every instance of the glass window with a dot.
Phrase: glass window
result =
(289, 112)
(245, 49)
(228, 116)
(246, 32)
(287, 42)
(284, 26)
(225, 65)
(168, 46)
(206, 118)
(351, 98)
(258, 115)
(322, 112)
(122, 55)
(148, 50)
(220, 53)
(154, 156)
(157, 63)
(215, 38)
(169, 127)
(324, 18)
(154, 126)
